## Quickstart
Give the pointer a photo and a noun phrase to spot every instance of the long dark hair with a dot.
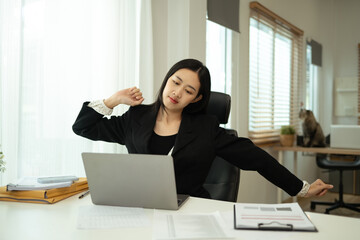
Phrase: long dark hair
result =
(205, 85)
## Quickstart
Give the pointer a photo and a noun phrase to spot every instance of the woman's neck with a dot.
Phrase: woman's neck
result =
(167, 123)
(168, 116)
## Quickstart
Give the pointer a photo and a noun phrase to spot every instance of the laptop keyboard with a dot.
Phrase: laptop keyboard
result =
(181, 198)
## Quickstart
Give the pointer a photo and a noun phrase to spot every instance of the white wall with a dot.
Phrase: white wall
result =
(346, 42)
(179, 32)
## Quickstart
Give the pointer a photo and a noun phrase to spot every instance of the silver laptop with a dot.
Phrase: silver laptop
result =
(132, 180)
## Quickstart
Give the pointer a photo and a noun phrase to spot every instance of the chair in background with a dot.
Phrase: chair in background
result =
(223, 180)
(323, 162)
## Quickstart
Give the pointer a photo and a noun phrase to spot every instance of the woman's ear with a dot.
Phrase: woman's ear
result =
(197, 99)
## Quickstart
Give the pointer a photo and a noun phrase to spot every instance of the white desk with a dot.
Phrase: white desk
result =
(27, 221)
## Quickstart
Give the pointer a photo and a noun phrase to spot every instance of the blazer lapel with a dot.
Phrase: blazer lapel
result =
(186, 134)
(143, 131)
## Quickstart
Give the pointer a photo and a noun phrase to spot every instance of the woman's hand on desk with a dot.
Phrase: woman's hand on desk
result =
(318, 188)
(130, 96)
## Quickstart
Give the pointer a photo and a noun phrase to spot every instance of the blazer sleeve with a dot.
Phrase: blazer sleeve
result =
(243, 153)
(93, 125)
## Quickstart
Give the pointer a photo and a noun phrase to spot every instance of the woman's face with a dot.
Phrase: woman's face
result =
(181, 89)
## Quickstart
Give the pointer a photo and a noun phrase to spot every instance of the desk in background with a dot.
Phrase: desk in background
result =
(19, 221)
(281, 150)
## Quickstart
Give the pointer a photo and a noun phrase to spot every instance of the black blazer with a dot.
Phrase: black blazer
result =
(199, 140)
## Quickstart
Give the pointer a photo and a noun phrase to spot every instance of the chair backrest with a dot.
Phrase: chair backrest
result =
(223, 180)
(323, 161)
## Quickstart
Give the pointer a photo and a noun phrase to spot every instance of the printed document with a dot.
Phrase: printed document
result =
(189, 226)
(285, 216)
(106, 217)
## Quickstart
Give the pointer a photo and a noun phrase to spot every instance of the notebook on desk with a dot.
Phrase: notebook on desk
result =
(132, 180)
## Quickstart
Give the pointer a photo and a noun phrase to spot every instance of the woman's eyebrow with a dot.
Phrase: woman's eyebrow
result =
(178, 78)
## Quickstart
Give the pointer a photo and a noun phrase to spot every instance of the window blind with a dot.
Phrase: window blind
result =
(274, 74)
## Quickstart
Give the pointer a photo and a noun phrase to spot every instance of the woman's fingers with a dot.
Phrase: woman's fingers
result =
(136, 96)
(318, 188)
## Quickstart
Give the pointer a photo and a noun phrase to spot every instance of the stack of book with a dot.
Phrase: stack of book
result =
(42, 193)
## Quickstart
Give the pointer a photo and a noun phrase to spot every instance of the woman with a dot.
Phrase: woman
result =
(176, 124)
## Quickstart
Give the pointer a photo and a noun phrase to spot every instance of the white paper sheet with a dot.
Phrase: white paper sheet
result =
(188, 226)
(31, 183)
(105, 217)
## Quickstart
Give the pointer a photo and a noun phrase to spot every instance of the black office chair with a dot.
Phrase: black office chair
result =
(223, 180)
(323, 162)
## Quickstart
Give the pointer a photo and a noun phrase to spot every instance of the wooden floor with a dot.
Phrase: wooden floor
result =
(330, 197)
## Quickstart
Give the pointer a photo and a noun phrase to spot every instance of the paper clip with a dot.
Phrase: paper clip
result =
(274, 225)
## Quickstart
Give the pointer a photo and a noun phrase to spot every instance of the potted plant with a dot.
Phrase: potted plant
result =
(2, 163)
(287, 135)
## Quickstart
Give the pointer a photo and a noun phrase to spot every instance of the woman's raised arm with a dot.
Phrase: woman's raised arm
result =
(130, 96)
